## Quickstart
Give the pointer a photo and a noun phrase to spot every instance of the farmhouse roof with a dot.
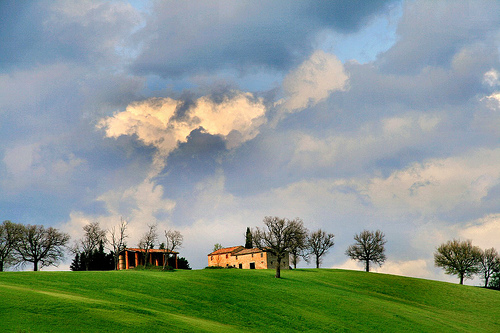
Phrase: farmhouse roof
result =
(249, 251)
(224, 250)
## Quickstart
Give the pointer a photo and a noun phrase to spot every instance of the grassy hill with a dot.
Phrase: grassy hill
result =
(240, 301)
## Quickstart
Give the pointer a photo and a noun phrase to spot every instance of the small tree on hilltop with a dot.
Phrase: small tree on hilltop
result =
(458, 258)
(278, 237)
(92, 238)
(40, 246)
(248, 239)
(318, 243)
(147, 242)
(9, 237)
(299, 245)
(118, 236)
(369, 247)
(174, 240)
(489, 263)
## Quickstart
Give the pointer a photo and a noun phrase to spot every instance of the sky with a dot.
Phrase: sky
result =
(205, 117)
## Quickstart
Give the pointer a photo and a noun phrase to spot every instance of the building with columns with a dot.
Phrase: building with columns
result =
(133, 257)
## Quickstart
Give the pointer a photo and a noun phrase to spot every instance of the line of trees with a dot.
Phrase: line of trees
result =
(21, 244)
(463, 259)
(281, 236)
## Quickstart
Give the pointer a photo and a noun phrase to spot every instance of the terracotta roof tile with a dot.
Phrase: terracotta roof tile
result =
(227, 250)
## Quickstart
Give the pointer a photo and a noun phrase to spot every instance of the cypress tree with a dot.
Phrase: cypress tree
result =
(248, 239)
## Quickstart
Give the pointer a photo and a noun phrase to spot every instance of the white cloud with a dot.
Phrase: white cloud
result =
(236, 119)
(484, 232)
(438, 185)
(36, 164)
(313, 81)
(491, 78)
(370, 142)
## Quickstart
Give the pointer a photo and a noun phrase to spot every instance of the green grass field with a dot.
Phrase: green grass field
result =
(240, 301)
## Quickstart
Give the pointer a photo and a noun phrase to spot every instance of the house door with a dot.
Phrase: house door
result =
(240, 266)
(252, 265)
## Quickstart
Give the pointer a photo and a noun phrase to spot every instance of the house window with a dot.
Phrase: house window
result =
(227, 256)
(211, 257)
(236, 257)
(252, 255)
(261, 255)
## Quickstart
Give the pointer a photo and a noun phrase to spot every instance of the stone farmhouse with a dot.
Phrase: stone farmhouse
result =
(239, 257)
(133, 257)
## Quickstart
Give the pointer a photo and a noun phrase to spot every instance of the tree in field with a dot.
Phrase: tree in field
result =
(458, 258)
(299, 247)
(489, 263)
(117, 242)
(248, 239)
(369, 247)
(174, 240)
(278, 237)
(183, 263)
(92, 238)
(9, 236)
(318, 243)
(217, 246)
(40, 246)
(147, 242)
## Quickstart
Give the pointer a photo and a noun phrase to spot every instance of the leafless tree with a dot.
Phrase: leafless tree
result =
(278, 237)
(489, 264)
(40, 246)
(458, 258)
(118, 236)
(318, 243)
(9, 236)
(369, 247)
(299, 246)
(93, 237)
(174, 240)
(148, 241)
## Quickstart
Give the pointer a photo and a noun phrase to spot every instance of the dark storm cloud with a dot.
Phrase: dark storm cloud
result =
(47, 32)
(432, 32)
(195, 36)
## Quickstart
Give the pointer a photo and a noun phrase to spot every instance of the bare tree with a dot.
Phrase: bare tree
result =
(489, 264)
(9, 236)
(318, 243)
(40, 246)
(93, 237)
(174, 240)
(147, 242)
(369, 247)
(458, 258)
(299, 246)
(118, 236)
(277, 237)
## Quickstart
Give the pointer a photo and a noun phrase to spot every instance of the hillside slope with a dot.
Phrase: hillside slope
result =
(240, 301)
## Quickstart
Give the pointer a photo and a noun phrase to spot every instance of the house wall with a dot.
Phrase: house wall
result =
(271, 261)
(262, 260)
(222, 260)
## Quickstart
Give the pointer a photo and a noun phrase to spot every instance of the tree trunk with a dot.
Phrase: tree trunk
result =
(485, 282)
(1, 265)
(367, 265)
(461, 279)
(317, 262)
(278, 269)
(35, 265)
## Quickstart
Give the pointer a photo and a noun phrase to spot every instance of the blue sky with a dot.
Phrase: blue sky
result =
(206, 117)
